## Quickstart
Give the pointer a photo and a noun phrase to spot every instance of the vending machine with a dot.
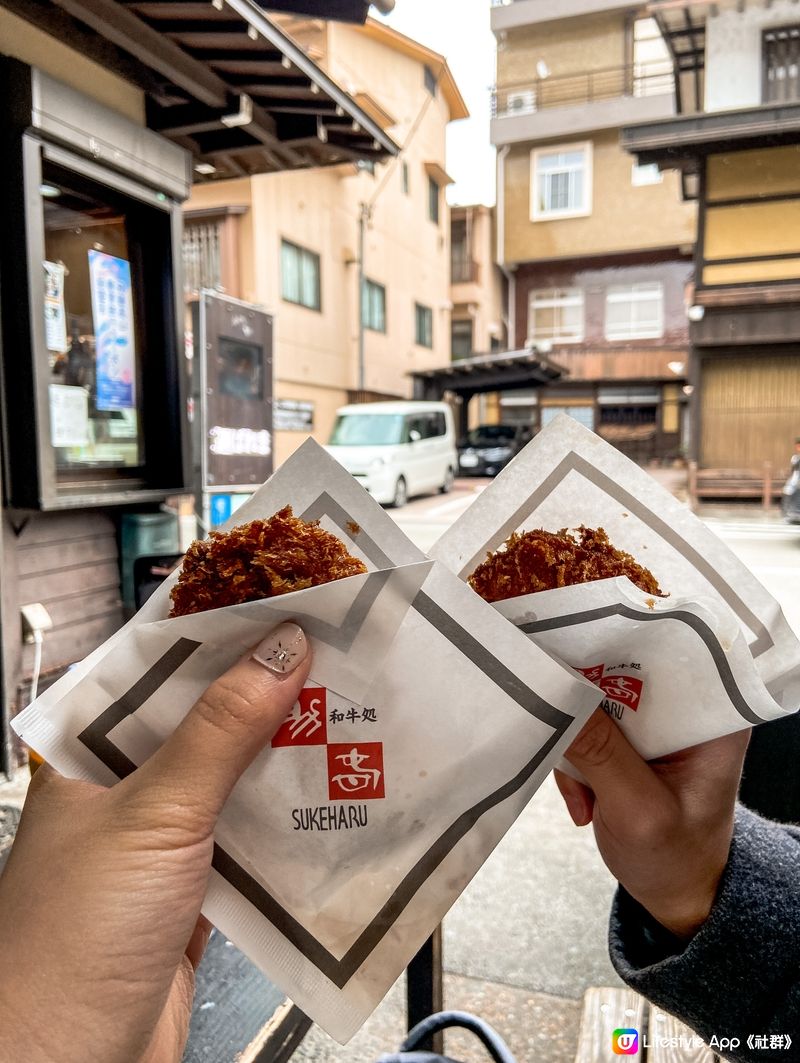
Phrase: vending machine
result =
(231, 404)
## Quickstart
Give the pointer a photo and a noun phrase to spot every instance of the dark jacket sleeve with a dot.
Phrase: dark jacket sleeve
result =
(740, 974)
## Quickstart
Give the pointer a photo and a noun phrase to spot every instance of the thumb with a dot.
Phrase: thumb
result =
(620, 779)
(220, 736)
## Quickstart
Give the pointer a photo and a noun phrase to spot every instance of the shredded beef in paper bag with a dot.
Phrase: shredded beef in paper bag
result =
(700, 652)
(346, 842)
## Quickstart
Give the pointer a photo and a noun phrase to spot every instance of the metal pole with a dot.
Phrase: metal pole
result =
(363, 217)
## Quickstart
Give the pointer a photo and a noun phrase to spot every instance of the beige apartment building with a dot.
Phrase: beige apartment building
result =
(293, 242)
(477, 289)
(598, 250)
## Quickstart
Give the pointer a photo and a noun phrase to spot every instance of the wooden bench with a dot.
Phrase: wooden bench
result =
(662, 1038)
(735, 484)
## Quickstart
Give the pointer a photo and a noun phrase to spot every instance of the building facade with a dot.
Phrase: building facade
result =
(597, 250)
(105, 122)
(300, 244)
(736, 146)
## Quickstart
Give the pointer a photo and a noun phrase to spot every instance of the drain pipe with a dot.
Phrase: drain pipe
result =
(511, 314)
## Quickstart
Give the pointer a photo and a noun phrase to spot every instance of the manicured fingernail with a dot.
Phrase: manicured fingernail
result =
(282, 650)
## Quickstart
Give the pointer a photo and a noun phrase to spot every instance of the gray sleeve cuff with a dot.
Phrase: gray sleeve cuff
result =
(740, 974)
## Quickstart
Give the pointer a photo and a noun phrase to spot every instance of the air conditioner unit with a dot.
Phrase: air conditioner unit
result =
(521, 102)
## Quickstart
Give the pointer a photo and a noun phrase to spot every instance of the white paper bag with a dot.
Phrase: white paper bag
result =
(427, 724)
(714, 656)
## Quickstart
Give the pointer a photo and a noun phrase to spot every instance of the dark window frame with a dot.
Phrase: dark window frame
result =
(454, 325)
(374, 287)
(423, 325)
(302, 253)
(430, 80)
(793, 30)
(434, 200)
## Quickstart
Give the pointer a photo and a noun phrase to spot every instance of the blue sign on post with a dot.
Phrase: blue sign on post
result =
(221, 509)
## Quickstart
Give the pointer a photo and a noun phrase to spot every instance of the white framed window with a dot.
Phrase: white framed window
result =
(561, 181)
(646, 174)
(635, 311)
(555, 315)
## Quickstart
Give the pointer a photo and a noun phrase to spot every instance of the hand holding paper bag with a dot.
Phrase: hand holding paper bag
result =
(100, 901)
(663, 829)
(424, 728)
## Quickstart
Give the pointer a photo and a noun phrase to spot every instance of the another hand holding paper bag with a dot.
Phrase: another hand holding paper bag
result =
(100, 901)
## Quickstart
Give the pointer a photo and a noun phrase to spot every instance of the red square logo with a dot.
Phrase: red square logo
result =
(355, 771)
(594, 674)
(307, 723)
(623, 688)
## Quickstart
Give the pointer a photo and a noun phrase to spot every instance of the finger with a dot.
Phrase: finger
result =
(713, 768)
(200, 763)
(620, 779)
(578, 798)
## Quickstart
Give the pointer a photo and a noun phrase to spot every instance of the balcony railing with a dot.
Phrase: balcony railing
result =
(463, 271)
(638, 79)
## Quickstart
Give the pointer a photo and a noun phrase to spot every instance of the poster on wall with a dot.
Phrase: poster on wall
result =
(69, 416)
(55, 318)
(293, 415)
(112, 309)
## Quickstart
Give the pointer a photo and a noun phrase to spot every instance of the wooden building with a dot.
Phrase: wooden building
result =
(736, 145)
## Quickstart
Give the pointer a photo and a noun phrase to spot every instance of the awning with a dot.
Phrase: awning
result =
(338, 10)
(439, 174)
(505, 371)
(222, 80)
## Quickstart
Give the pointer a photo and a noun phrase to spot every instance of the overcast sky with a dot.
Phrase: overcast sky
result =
(459, 30)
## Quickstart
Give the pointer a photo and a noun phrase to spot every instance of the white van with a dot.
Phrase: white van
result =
(396, 449)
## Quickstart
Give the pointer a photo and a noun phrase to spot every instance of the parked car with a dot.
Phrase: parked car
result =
(490, 447)
(397, 449)
(790, 499)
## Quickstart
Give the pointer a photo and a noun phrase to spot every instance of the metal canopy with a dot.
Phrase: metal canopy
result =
(222, 80)
(506, 371)
(683, 26)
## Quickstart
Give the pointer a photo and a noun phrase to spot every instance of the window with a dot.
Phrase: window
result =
(94, 282)
(300, 276)
(555, 315)
(462, 268)
(461, 338)
(561, 182)
(430, 80)
(427, 425)
(433, 201)
(781, 65)
(423, 325)
(373, 307)
(404, 177)
(635, 311)
(582, 414)
(647, 174)
(202, 257)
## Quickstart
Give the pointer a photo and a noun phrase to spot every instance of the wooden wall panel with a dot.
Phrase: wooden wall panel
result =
(69, 563)
(749, 411)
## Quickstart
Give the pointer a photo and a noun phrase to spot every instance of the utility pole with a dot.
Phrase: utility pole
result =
(364, 216)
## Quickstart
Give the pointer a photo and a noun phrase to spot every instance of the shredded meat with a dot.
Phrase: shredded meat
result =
(540, 561)
(260, 560)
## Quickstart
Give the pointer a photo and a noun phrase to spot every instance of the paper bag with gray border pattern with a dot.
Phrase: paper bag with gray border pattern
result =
(425, 727)
(714, 656)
